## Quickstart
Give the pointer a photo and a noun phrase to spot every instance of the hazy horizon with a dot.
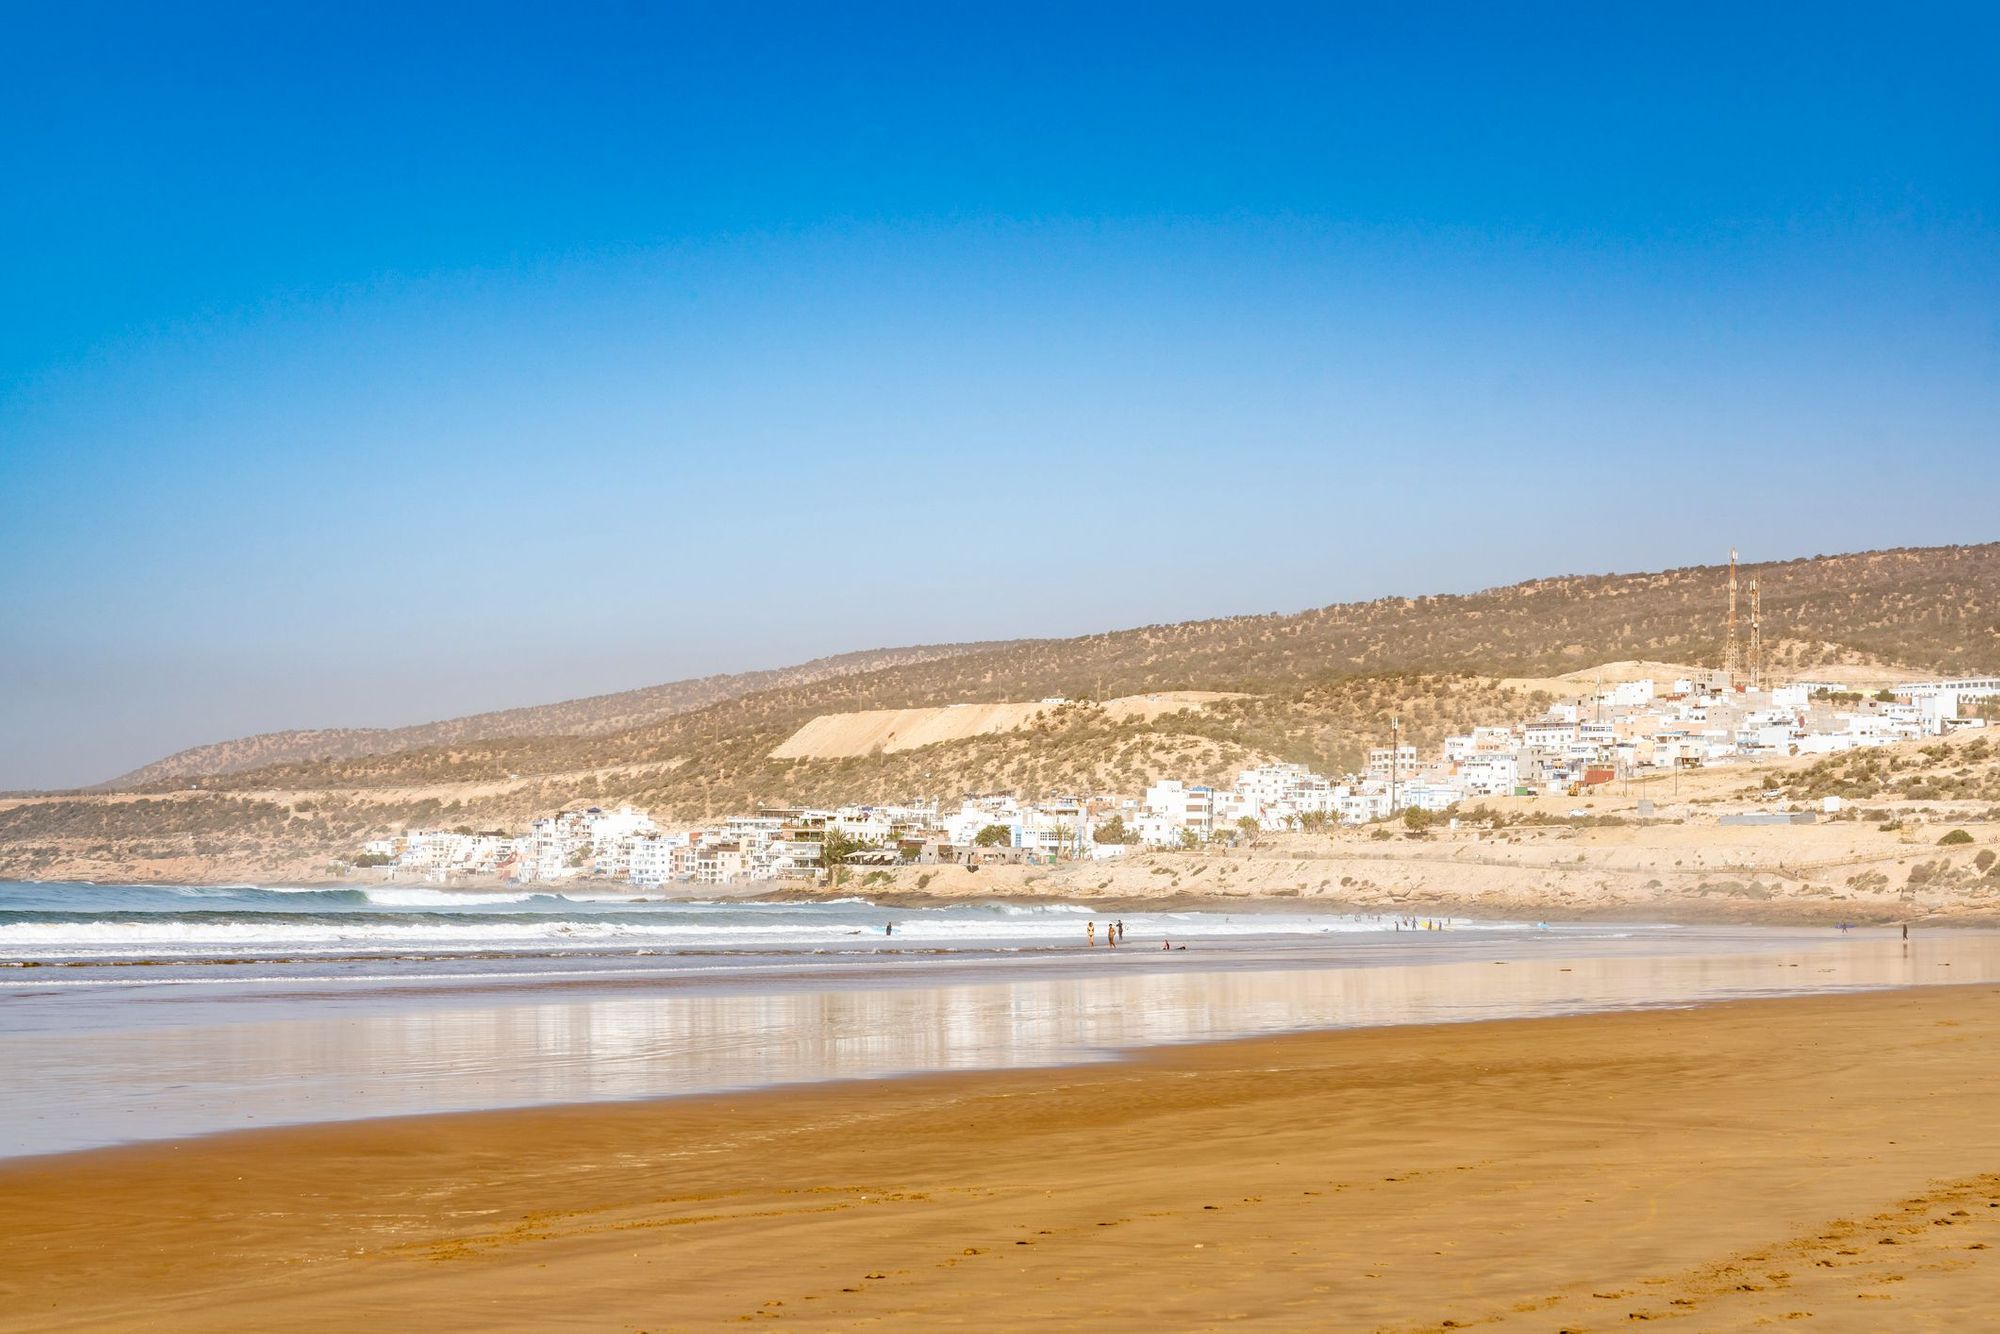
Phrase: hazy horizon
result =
(373, 368)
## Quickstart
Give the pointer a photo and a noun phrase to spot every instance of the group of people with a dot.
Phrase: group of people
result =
(1419, 924)
(1115, 935)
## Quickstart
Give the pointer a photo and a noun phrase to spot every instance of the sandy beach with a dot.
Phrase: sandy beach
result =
(1701, 871)
(1829, 1161)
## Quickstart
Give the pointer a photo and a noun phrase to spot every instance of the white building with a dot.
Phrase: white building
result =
(656, 859)
(1490, 775)
(1388, 761)
(1550, 736)
(1629, 694)
(1179, 807)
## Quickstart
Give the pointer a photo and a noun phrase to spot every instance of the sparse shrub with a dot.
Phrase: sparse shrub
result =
(1955, 838)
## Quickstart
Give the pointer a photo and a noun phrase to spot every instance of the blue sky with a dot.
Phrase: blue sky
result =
(389, 363)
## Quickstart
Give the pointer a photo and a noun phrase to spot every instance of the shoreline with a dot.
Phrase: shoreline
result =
(1135, 1054)
(1137, 1057)
(1338, 1176)
(1659, 911)
(115, 1057)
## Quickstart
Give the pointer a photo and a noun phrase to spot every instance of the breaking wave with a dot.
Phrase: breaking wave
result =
(48, 923)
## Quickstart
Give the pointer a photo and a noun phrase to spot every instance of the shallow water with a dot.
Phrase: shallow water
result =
(154, 1013)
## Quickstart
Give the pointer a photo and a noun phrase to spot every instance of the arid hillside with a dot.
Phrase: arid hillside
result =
(595, 715)
(1317, 688)
(289, 821)
(1931, 610)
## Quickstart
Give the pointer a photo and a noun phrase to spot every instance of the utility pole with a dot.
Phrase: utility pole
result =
(1756, 638)
(1731, 666)
(1395, 756)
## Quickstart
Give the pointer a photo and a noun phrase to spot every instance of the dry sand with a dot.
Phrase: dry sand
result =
(1831, 1162)
(835, 736)
(1700, 871)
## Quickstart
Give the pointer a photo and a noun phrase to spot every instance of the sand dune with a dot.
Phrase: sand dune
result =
(837, 736)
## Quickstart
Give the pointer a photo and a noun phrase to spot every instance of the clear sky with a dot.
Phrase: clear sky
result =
(385, 363)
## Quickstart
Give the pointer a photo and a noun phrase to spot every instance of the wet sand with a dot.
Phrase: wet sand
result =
(1829, 1161)
(104, 1061)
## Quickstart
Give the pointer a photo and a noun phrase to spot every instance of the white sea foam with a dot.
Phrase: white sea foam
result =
(164, 935)
(413, 896)
(45, 923)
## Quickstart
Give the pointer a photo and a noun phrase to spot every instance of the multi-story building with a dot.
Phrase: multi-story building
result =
(1387, 761)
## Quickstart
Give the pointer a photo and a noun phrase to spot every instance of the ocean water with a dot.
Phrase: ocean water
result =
(147, 1012)
(104, 926)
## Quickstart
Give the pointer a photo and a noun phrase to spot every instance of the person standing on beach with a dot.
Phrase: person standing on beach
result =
(1090, 932)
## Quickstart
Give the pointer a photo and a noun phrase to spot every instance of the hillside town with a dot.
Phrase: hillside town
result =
(1628, 730)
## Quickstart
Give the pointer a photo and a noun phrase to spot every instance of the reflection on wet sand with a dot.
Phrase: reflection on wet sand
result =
(80, 1089)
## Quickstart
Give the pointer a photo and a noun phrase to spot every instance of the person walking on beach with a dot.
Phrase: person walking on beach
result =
(1121, 931)
(1090, 932)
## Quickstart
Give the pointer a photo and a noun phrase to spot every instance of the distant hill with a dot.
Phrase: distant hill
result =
(1315, 687)
(592, 716)
(1935, 609)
